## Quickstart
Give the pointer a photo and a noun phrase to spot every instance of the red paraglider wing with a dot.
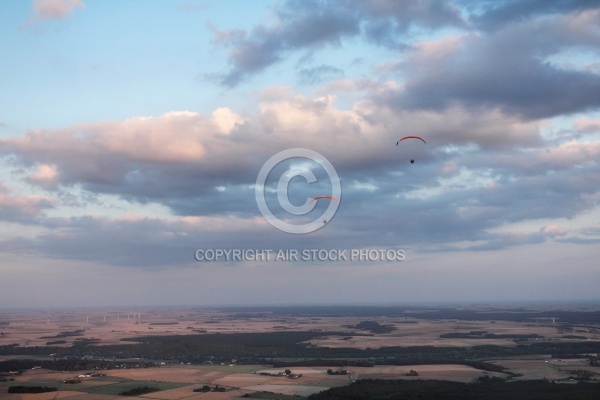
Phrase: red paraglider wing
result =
(325, 197)
(411, 137)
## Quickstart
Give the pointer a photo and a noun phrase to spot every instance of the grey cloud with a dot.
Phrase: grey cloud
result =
(23, 208)
(311, 24)
(478, 171)
(384, 216)
(507, 241)
(510, 196)
(506, 70)
(579, 240)
(318, 74)
(145, 243)
(406, 14)
(250, 56)
(587, 235)
(496, 14)
(149, 243)
(533, 89)
(304, 25)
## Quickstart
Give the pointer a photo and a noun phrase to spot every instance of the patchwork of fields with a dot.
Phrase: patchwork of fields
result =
(375, 342)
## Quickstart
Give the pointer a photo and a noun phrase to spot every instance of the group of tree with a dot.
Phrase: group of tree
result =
(338, 372)
(208, 388)
(31, 389)
(139, 390)
(77, 332)
(373, 327)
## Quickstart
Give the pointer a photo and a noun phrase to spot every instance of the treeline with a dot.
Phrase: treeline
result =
(31, 389)
(77, 332)
(55, 342)
(208, 388)
(487, 335)
(264, 347)
(324, 362)
(139, 390)
(482, 365)
(516, 314)
(486, 388)
(197, 348)
(372, 326)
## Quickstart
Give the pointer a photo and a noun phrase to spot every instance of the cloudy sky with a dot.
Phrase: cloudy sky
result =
(132, 136)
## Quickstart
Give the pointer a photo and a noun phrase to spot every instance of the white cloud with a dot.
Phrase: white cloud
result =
(46, 176)
(226, 119)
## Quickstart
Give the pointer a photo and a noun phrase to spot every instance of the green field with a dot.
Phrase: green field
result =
(118, 387)
(273, 396)
(245, 368)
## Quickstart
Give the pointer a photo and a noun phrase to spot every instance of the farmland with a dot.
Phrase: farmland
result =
(239, 352)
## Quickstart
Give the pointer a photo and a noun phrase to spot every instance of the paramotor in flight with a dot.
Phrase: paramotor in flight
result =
(412, 160)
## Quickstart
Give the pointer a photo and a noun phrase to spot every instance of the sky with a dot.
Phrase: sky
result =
(133, 134)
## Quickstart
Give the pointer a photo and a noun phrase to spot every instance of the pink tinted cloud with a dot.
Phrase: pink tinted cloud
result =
(14, 205)
(588, 125)
(46, 176)
(553, 230)
(52, 10)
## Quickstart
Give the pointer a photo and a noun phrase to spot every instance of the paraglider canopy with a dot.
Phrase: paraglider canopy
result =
(411, 137)
(325, 197)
